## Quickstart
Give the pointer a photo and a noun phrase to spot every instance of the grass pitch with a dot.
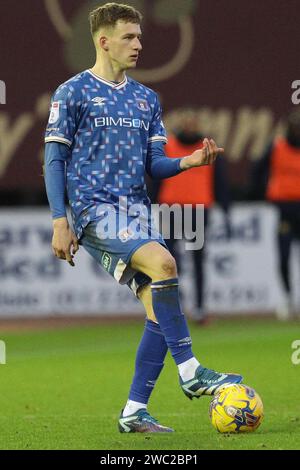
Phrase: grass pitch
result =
(64, 389)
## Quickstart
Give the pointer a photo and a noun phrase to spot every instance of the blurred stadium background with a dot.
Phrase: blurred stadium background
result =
(233, 63)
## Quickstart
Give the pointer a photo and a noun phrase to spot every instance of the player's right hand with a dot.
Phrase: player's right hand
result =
(64, 242)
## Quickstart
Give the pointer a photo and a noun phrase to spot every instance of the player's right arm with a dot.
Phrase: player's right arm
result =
(64, 241)
(59, 138)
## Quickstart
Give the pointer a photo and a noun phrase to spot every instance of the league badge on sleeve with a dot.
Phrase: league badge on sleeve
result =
(54, 112)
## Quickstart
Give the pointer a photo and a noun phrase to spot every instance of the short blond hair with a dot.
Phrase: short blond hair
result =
(109, 14)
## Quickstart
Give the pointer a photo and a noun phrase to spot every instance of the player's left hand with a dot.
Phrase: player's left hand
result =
(205, 156)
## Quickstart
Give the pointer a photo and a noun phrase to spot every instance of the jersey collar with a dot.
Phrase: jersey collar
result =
(116, 86)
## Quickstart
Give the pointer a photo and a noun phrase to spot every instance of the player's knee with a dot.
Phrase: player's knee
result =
(167, 268)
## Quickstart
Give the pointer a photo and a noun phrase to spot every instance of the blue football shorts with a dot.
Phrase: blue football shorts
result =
(113, 248)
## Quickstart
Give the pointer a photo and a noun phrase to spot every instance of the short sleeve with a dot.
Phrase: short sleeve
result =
(61, 126)
(157, 131)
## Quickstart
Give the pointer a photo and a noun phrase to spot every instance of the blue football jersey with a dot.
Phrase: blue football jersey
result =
(108, 127)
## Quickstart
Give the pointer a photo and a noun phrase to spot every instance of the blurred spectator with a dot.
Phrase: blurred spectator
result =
(205, 185)
(276, 178)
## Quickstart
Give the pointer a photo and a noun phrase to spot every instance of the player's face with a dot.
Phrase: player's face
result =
(124, 44)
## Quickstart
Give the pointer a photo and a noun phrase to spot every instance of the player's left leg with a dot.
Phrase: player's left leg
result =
(157, 263)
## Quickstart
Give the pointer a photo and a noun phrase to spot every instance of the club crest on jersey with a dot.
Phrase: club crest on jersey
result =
(54, 112)
(142, 105)
(99, 101)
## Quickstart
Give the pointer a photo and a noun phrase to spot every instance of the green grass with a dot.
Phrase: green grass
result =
(64, 389)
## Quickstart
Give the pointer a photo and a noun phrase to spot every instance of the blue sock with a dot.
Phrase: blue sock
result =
(149, 362)
(166, 306)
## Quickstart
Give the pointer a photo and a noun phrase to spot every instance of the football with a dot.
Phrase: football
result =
(235, 409)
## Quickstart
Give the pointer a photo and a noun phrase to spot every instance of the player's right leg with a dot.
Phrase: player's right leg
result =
(114, 255)
(157, 263)
(149, 363)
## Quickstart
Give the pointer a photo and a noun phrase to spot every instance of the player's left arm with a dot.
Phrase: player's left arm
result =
(202, 157)
(159, 166)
